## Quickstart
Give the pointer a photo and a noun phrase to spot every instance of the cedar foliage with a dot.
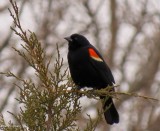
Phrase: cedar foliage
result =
(48, 105)
(51, 104)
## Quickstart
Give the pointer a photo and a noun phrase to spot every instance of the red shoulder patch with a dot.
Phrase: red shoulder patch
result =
(94, 55)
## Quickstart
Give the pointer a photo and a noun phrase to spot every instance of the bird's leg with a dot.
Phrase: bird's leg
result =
(91, 92)
(76, 91)
(79, 87)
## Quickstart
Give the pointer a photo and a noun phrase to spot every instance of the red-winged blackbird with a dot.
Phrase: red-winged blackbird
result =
(88, 69)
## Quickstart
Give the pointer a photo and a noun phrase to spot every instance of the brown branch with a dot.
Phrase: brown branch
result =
(105, 92)
(147, 72)
(113, 30)
(6, 41)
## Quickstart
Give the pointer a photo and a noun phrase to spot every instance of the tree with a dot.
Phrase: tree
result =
(126, 32)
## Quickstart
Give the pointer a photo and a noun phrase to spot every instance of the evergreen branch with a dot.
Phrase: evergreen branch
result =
(105, 92)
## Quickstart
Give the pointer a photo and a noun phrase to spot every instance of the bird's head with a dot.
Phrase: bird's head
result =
(76, 41)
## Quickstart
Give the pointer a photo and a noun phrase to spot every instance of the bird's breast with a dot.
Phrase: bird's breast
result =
(82, 71)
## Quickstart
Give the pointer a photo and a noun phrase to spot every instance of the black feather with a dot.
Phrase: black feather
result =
(89, 72)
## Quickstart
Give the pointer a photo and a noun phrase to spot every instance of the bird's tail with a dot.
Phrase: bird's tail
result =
(110, 112)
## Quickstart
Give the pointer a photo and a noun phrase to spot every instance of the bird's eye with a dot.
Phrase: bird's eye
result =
(75, 38)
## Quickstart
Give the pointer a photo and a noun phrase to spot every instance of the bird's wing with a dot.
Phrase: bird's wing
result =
(100, 66)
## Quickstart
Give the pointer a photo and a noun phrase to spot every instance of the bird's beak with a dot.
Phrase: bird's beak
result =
(68, 39)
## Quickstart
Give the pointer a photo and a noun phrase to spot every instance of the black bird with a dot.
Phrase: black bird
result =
(88, 69)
